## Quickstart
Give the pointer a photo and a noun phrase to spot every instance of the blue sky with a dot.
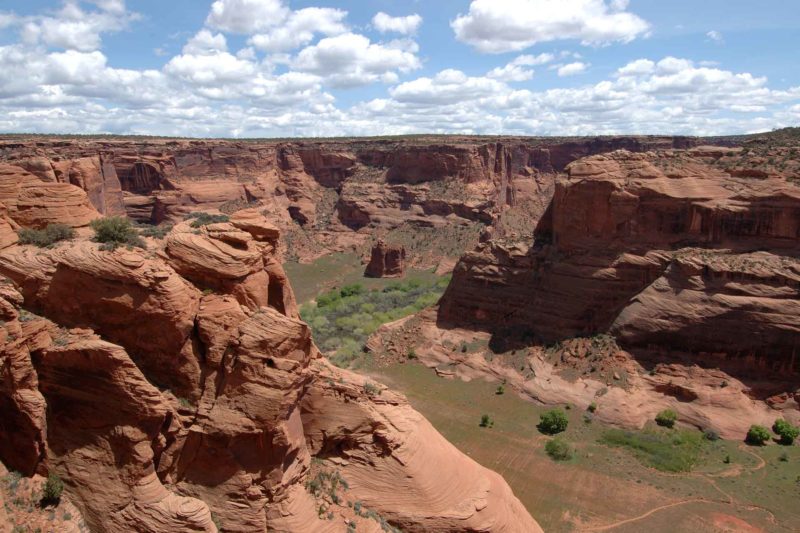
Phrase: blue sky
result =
(246, 68)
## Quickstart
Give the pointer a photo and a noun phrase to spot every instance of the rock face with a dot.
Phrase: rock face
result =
(386, 261)
(324, 196)
(174, 388)
(674, 256)
(625, 232)
(36, 203)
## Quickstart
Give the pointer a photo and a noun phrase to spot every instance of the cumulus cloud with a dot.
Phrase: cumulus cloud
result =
(406, 25)
(211, 88)
(571, 69)
(497, 26)
(300, 27)
(447, 87)
(517, 70)
(246, 16)
(71, 27)
(715, 36)
(351, 59)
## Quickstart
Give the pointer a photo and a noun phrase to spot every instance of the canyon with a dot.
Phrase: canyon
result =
(174, 387)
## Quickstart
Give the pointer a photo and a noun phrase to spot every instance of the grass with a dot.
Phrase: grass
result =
(557, 492)
(669, 451)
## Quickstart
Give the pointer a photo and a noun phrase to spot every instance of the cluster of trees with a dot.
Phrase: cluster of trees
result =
(342, 319)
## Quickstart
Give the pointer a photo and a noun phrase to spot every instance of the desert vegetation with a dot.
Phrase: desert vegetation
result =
(343, 318)
(113, 232)
(46, 237)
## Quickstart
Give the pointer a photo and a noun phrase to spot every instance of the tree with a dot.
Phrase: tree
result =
(666, 418)
(785, 431)
(757, 435)
(552, 422)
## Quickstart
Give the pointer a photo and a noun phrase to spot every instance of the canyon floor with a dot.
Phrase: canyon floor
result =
(601, 488)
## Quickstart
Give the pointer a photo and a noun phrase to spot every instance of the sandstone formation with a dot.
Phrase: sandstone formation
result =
(386, 261)
(325, 196)
(679, 259)
(174, 388)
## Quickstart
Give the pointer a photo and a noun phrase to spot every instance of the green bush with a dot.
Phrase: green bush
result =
(787, 432)
(51, 492)
(757, 435)
(558, 449)
(156, 232)
(592, 407)
(711, 435)
(201, 219)
(486, 421)
(48, 236)
(667, 418)
(116, 231)
(552, 422)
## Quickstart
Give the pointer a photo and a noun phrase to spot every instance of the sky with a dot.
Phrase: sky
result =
(329, 68)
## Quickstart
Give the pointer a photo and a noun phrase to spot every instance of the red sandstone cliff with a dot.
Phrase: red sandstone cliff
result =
(175, 389)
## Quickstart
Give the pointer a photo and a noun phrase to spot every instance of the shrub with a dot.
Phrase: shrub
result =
(784, 457)
(48, 236)
(711, 435)
(558, 449)
(666, 418)
(592, 407)
(757, 435)
(115, 231)
(552, 422)
(500, 390)
(156, 232)
(486, 421)
(51, 492)
(785, 431)
(201, 219)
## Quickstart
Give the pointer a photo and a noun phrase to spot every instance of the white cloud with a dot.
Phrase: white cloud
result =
(516, 69)
(447, 87)
(213, 88)
(715, 36)
(246, 16)
(72, 28)
(571, 69)
(205, 42)
(496, 26)
(351, 59)
(210, 69)
(406, 25)
(300, 27)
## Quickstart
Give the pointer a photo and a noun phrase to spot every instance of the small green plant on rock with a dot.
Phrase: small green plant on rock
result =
(48, 236)
(114, 232)
(51, 492)
(667, 418)
(201, 219)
